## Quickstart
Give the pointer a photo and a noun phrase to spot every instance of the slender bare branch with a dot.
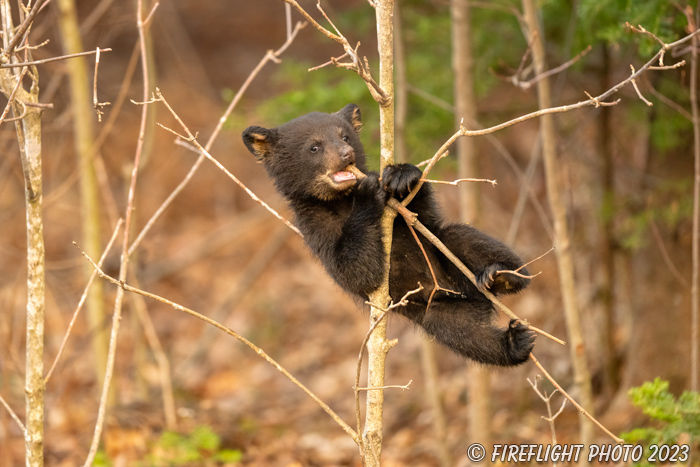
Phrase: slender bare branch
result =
(571, 399)
(411, 219)
(592, 101)
(640, 29)
(193, 139)
(14, 416)
(269, 56)
(11, 97)
(98, 106)
(639, 93)
(19, 33)
(390, 386)
(124, 263)
(127, 288)
(81, 302)
(460, 180)
(53, 59)
(357, 64)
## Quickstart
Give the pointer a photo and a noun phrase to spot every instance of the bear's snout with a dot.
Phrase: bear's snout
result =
(347, 155)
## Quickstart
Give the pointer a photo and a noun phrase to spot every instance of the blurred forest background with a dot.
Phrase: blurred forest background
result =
(626, 173)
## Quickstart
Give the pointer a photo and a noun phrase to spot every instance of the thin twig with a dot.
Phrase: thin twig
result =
(515, 273)
(339, 39)
(358, 65)
(571, 399)
(395, 386)
(592, 101)
(554, 71)
(411, 219)
(52, 59)
(460, 180)
(98, 106)
(525, 276)
(547, 398)
(668, 67)
(14, 416)
(640, 29)
(124, 264)
(125, 287)
(536, 259)
(193, 139)
(81, 302)
(636, 88)
(19, 33)
(269, 56)
(11, 97)
(329, 62)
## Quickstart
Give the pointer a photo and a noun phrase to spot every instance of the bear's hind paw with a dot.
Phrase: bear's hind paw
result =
(519, 342)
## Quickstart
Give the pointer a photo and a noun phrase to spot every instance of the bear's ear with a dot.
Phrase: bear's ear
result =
(352, 114)
(259, 141)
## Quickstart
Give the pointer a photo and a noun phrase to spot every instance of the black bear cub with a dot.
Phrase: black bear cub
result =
(308, 158)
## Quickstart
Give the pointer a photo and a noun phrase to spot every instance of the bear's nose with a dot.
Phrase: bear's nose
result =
(347, 154)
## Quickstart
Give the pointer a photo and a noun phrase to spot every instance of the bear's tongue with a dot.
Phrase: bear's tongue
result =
(343, 176)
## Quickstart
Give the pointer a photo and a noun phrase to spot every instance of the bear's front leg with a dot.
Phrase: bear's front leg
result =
(358, 257)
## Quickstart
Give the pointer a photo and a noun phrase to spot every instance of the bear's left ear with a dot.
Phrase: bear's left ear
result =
(259, 141)
(351, 113)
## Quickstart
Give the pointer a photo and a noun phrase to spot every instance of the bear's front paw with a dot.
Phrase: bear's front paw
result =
(370, 188)
(519, 341)
(400, 179)
(497, 280)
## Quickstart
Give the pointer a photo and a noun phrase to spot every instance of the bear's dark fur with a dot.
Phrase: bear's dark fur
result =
(339, 216)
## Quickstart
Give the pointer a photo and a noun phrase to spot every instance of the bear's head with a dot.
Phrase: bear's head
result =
(309, 156)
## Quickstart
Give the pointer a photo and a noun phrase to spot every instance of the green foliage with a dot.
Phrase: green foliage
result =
(671, 206)
(324, 90)
(674, 417)
(101, 460)
(605, 20)
(427, 36)
(200, 447)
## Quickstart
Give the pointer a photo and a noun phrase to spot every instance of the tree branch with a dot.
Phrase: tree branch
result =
(411, 220)
(576, 404)
(125, 287)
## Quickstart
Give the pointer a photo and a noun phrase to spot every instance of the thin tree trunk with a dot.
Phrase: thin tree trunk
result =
(378, 346)
(465, 105)
(479, 378)
(83, 116)
(29, 138)
(428, 363)
(612, 377)
(561, 234)
(433, 394)
(694, 292)
(401, 98)
(29, 135)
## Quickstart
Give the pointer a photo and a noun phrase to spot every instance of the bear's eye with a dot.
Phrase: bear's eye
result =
(346, 138)
(314, 149)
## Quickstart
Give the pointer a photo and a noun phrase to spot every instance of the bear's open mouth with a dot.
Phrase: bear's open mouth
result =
(343, 176)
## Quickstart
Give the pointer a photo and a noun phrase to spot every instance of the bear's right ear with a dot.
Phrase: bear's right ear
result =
(352, 114)
(259, 141)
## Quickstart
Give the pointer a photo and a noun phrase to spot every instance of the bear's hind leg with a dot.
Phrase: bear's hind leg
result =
(466, 328)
